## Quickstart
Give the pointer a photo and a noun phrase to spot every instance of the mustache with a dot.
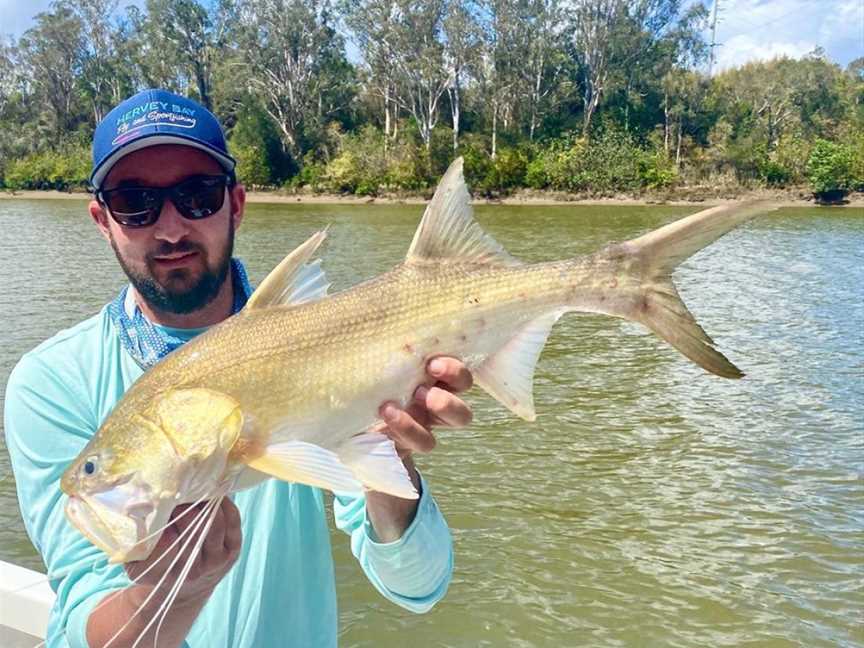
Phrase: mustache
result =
(180, 247)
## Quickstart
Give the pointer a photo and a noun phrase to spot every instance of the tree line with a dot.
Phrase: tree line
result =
(377, 96)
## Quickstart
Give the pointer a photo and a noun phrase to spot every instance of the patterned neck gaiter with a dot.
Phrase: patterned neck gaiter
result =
(147, 343)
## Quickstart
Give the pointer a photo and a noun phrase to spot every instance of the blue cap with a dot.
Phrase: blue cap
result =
(154, 117)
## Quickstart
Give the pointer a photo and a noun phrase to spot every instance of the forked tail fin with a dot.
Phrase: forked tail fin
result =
(659, 253)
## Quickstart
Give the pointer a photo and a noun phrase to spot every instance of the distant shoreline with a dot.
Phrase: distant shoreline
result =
(781, 198)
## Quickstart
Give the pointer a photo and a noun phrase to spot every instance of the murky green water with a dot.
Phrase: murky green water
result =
(650, 504)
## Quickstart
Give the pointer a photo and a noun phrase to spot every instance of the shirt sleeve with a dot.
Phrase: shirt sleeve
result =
(47, 422)
(413, 571)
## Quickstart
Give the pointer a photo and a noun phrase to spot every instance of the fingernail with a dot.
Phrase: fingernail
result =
(436, 367)
(421, 393)
(389, 411)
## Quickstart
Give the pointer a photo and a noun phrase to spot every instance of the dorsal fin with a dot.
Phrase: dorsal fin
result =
(448, 229)
(293, 281)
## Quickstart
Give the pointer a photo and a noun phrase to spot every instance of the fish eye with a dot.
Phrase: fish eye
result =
(89, 466)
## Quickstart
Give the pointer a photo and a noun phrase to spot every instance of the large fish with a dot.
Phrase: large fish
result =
(290, 387)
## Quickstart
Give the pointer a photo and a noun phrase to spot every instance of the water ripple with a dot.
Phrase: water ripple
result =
(650, 504)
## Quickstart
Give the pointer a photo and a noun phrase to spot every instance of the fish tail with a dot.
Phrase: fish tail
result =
(659, 306)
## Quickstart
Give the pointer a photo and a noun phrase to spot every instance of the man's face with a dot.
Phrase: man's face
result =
(177, 265)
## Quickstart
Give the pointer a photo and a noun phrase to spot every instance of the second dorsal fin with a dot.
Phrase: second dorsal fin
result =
(448, 229)
(293, 281)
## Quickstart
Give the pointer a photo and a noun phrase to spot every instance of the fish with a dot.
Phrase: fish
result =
(290, 387)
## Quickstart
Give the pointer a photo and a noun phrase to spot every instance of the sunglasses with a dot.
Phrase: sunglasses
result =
(195, 198)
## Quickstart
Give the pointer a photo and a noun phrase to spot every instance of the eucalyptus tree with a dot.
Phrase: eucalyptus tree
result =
(370, 23)
(500, 61)
(417, 54)
(609, 36)
(14, 107)
(8, 76)
(185, 39)
(542, 68)
(684, 95)
(767, 101)
(144, 54)
(49, 54)
(105, 79)
(463, 39)
(295, 64)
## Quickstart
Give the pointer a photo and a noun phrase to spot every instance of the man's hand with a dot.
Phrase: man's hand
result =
(434, 403)
(218, 553)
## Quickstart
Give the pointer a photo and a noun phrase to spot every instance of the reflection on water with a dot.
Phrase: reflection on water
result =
(650, 504)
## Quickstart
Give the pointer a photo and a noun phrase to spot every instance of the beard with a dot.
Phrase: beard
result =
(180, 294)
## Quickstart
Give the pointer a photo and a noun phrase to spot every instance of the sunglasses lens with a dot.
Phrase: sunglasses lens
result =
(200, 197)
(133, 207)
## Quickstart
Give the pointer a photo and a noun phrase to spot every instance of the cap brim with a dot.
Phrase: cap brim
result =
(101, 172)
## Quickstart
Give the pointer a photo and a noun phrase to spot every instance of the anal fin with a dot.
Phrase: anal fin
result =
(508, 374)
(372, 458)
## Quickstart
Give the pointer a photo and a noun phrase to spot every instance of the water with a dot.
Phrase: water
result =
(650, 504)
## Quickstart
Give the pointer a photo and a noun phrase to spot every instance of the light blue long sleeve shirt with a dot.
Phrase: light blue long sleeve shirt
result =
(280, 592)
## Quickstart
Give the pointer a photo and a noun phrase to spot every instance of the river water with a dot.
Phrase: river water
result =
(650, 504)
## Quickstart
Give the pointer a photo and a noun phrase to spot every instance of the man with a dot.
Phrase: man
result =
(168, 204)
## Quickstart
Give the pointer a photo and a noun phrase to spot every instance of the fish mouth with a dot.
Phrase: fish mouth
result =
(87, 520)
(123, 536)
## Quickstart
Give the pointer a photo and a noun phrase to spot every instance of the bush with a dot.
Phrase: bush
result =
(254, 142)
(856, 144)
(253, 168)
(65, 169)
(656, 170)
(773, 173)
(829, 169)
(610, 162)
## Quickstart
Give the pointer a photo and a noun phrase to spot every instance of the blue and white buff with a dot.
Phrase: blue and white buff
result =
(148, 344)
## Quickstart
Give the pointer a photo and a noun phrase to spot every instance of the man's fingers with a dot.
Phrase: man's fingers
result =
(405, 431)
(451, 373)
(214, 541)
(443, 406)
(233, 530)
(182, 518)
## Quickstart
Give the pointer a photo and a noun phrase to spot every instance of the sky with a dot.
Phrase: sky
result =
(746, 29)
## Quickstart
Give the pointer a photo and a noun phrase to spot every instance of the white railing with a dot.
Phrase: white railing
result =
(25, 600)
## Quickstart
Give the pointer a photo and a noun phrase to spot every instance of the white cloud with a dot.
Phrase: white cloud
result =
(750, 30)
(747, 47)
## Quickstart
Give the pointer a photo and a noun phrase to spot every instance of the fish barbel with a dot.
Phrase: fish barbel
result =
(290, 387)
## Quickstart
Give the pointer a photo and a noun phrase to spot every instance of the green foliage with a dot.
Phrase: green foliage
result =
(63, 170)
(611, 162)
(488, 177)
(296, 108)
(255, 145)
(656, 170)
(856, 145)
(253, 168)
(830, 168)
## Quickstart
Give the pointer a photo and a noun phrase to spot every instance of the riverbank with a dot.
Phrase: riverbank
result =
(685, 197)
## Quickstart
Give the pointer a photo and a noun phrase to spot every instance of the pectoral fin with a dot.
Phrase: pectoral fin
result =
(508, 375)
(306, 463)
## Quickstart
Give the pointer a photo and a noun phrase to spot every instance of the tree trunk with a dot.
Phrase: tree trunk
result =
(666, 122)
(386, 114)
(494, 131)
(454, 111)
